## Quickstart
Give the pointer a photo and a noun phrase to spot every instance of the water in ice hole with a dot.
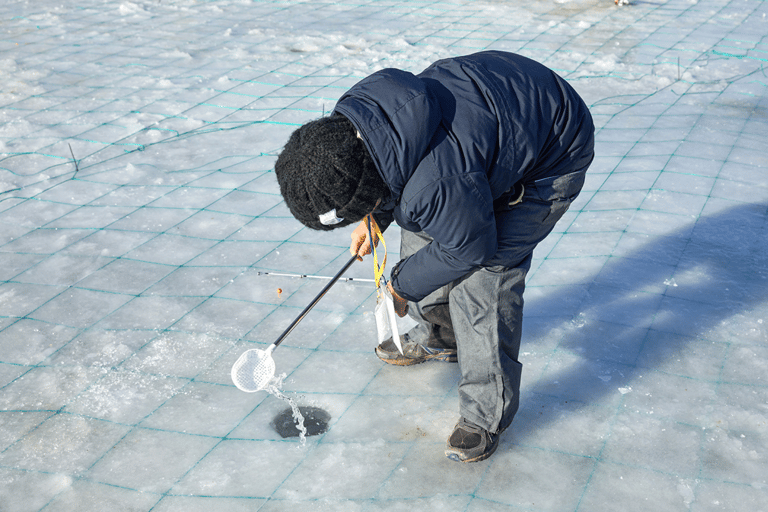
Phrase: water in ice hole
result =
(315, 422)
(296, 422)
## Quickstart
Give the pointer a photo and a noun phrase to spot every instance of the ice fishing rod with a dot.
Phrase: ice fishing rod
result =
(311, 276)
(315, 300)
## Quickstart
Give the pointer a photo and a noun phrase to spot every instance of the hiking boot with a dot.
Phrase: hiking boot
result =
(413, 353)
(470, 443)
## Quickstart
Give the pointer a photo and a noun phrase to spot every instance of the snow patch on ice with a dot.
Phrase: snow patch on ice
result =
(685, 488)
(175, 54)
(18, 82)
(129, 8)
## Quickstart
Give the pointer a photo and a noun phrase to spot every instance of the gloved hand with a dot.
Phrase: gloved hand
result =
(401, 305)
(361, 245)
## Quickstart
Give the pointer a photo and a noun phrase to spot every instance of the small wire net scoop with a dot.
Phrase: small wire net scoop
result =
(254, 370)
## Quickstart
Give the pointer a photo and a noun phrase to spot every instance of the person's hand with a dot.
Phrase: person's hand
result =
(361, 244)
(401, 305)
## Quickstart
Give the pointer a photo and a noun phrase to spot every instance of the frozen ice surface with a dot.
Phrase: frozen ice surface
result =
(135, 274)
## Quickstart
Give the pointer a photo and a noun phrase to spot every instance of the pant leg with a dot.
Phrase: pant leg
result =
(433, 321)
(487, 312)
(481, 315)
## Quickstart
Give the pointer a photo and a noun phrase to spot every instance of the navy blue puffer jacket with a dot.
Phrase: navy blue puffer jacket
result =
(451, 140)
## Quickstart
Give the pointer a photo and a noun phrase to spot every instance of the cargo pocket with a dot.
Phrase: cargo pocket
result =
(560, 188)
(559, 191)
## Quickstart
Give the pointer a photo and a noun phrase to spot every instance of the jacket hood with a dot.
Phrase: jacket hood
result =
(396, 117)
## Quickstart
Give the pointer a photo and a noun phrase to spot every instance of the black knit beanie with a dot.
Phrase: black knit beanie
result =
(326, 175)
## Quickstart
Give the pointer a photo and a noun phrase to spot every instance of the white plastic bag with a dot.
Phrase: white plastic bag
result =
(386, 318)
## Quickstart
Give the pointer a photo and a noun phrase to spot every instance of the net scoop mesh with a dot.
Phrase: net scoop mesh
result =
(254, 370)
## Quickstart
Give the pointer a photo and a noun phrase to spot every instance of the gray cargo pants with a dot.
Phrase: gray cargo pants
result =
(481, 313)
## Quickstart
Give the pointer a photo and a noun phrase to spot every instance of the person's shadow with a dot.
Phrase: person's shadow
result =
(670, 305)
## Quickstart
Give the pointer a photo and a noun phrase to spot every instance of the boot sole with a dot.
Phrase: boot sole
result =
(455, 455)
(400, 360)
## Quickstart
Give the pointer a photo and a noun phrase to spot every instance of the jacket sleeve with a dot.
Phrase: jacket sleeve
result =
(457, 212)
(383, 218)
